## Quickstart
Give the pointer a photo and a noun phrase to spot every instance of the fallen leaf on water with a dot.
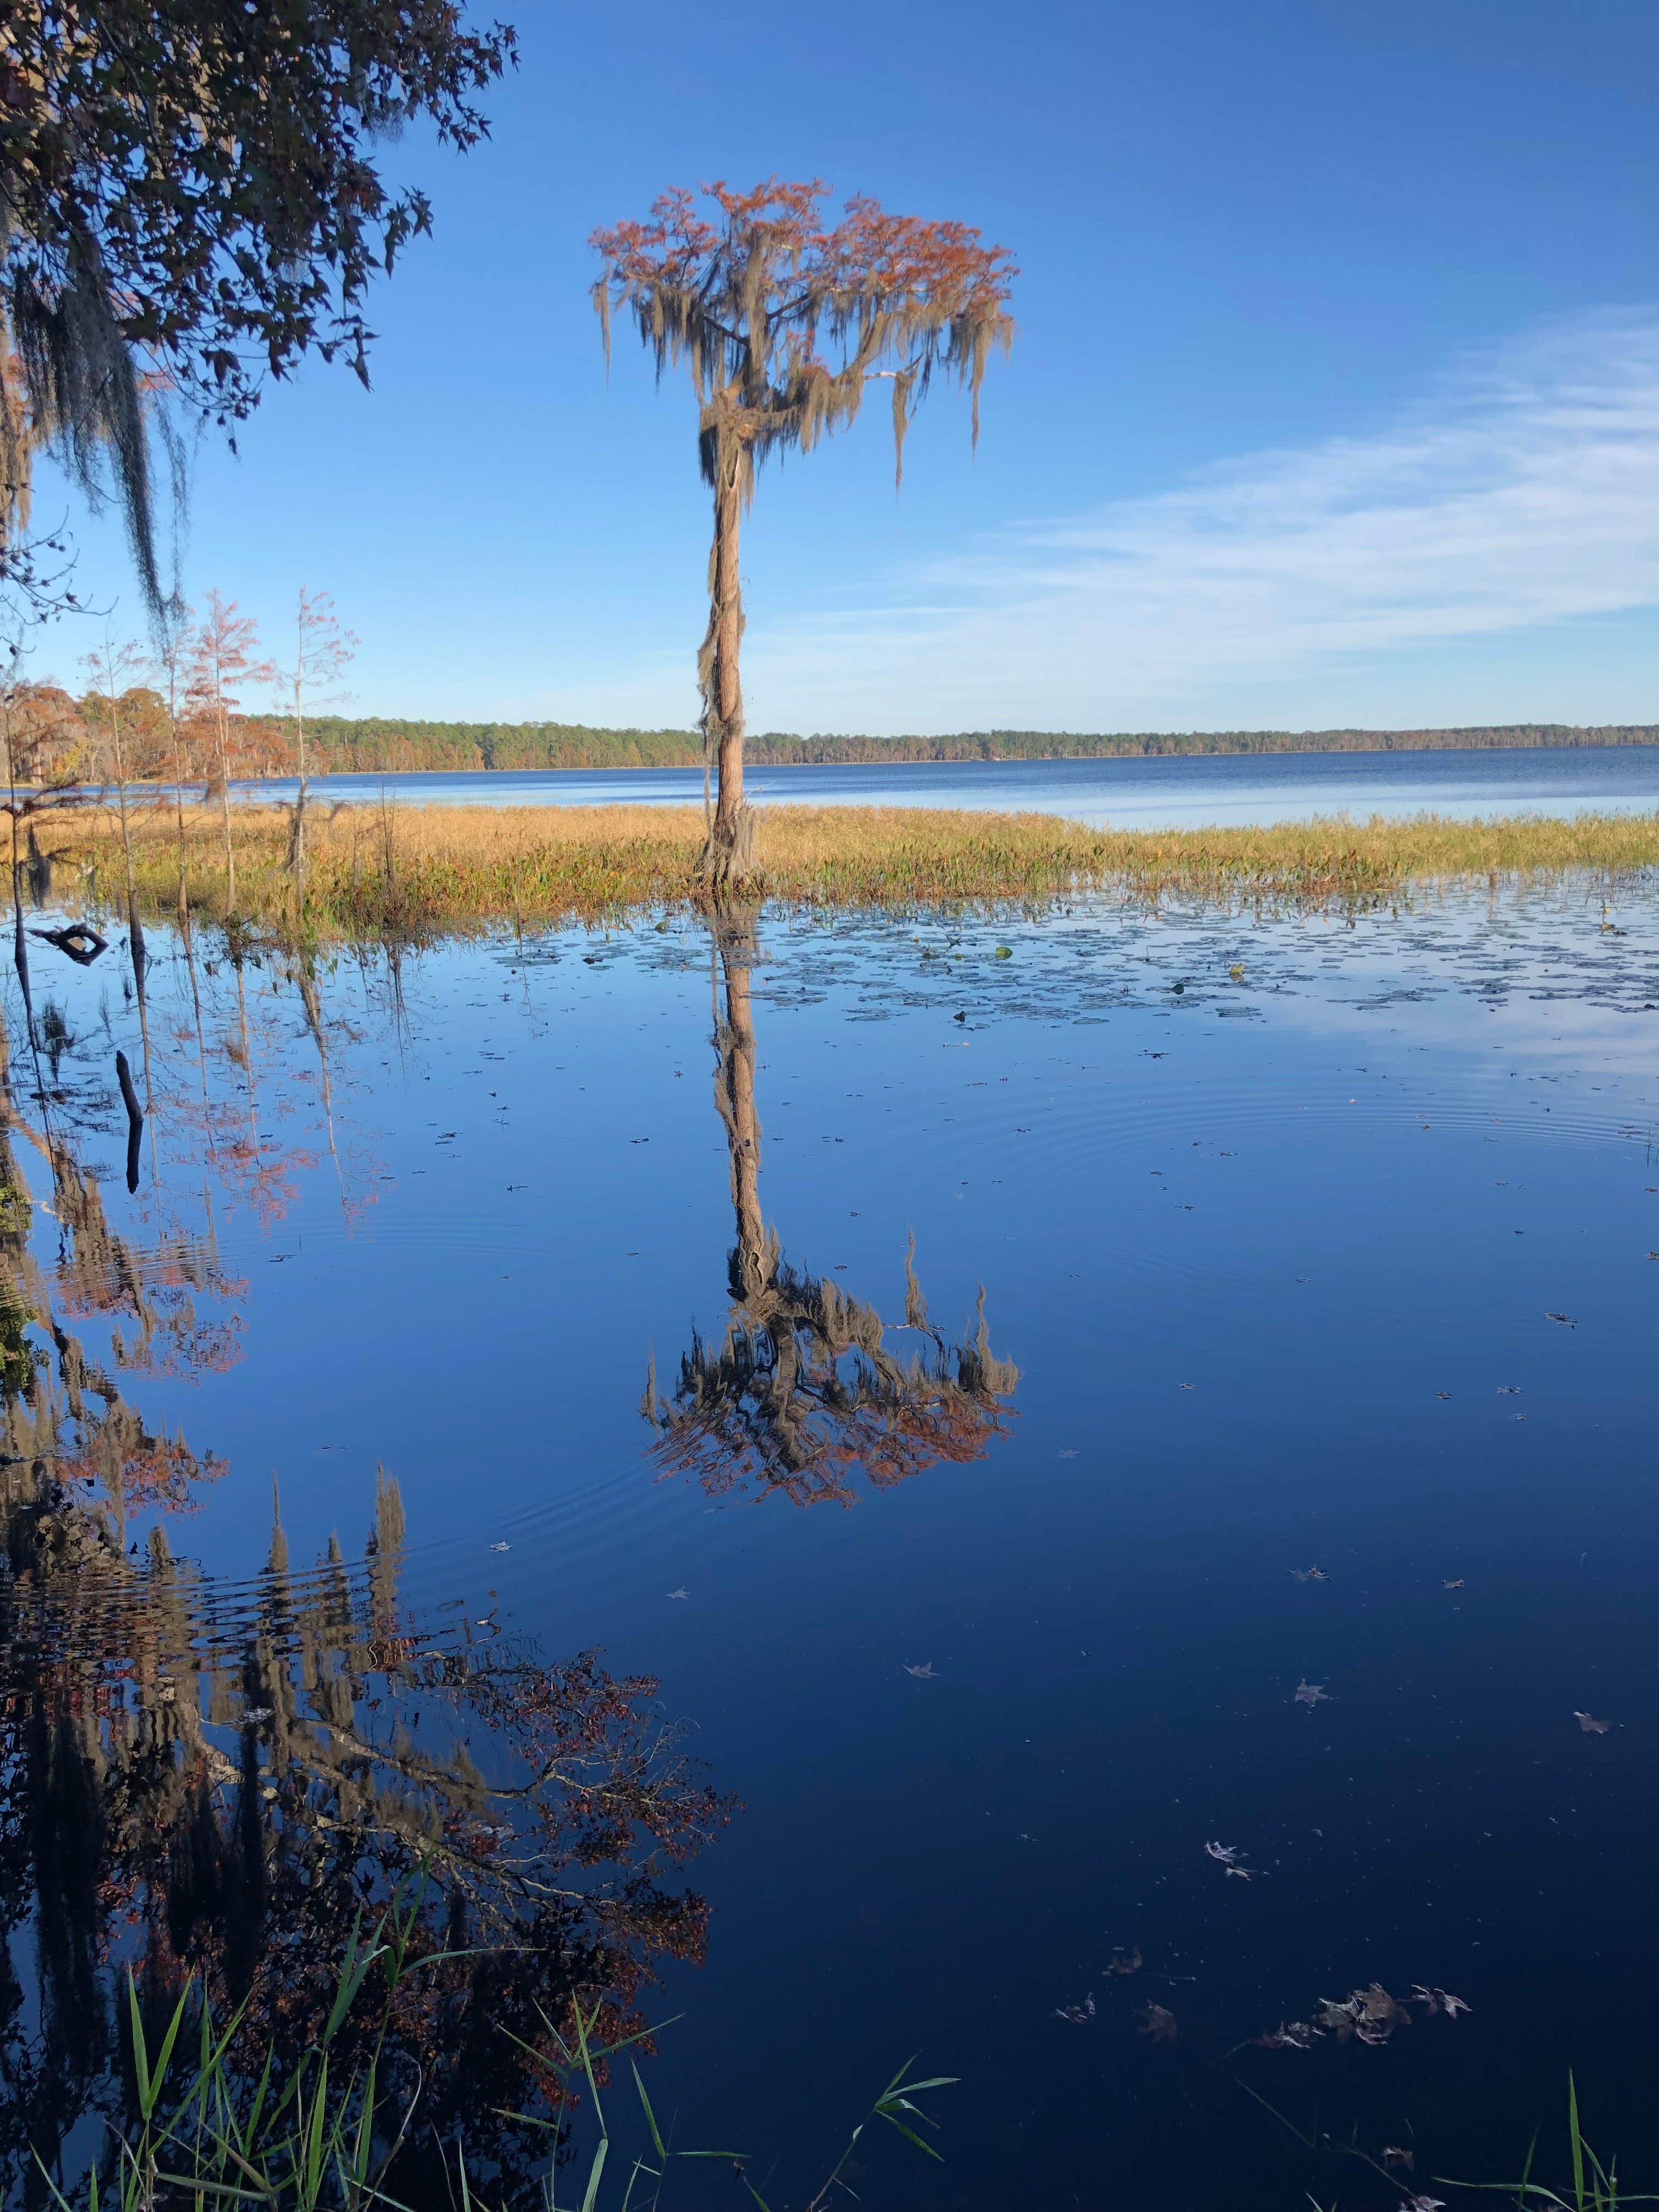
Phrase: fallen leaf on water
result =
(1458, 1584)
(1311, 1693)
(1379, 2012)
(1393, 2155)
(1298, 2036)
(923, 1673)
(1424, 2204)
(1338, 2020)
(1226, 1853)
(1591, 1727)
(1244, 1874)
(1438, 2000)
(1309, 1574)
(1079, 2014)
(1160, 2023)
(1125, 1962)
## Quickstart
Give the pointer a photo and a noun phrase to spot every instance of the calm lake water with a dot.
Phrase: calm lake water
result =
(1130, 794)
(1037, 1418)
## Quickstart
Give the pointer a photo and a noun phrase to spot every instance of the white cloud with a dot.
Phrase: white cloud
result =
(1363, 578)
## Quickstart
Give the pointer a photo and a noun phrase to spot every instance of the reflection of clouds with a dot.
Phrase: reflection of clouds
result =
(1520, 495)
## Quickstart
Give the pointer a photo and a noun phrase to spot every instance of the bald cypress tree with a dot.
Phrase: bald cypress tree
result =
(781, 325)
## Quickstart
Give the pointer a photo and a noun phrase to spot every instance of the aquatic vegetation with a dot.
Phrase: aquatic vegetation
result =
(318, 2130)
(413, 871)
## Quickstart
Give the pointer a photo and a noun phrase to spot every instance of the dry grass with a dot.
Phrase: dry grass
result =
(412, 871)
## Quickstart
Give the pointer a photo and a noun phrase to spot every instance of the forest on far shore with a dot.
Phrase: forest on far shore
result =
(375, 742)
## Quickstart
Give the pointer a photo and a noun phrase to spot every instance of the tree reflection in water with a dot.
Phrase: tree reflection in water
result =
(804, 1391)
(210, 1783)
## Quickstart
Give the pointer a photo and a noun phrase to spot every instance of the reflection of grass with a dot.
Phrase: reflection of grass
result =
(413, 869)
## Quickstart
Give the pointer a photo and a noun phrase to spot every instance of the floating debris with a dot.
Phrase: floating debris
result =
(1311, 1693)
(1298, 2036)
(1079, 2014)
(1591, 1727)
(1458, 1584)
(1567, 1320)
(924, 1673)
(1438, 2000)
(501, 1547)
(1124, 1962)
(1160, 2023)
(1394, 2154)
(679, 1592)
(1309, 1574)
(255, 1714)
(1224, 1853)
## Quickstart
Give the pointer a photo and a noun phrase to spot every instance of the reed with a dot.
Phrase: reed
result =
(414, 870)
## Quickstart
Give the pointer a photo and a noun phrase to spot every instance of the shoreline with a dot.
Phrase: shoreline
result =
(382, 871)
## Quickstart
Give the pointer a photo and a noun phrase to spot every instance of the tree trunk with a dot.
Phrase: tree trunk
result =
(728, 857)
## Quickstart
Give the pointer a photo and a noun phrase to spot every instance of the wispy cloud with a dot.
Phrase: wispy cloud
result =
(1520, 496)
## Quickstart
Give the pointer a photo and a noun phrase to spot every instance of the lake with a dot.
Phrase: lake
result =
(1126, 794)
(1060, 1495)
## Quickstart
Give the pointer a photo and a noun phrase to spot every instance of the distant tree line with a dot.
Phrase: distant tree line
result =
(375, 742)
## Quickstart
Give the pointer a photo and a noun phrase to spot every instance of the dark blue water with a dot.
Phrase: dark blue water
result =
(1248, 1248)
(1131, 794)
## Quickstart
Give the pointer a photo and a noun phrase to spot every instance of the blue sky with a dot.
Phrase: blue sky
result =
(1335, 398)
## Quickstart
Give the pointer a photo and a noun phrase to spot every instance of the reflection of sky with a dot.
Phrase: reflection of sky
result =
(1219, 790)
(1237, 1278)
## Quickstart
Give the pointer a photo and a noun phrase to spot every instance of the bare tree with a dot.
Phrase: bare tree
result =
(222, 662)
(322, 651)
(781, 325)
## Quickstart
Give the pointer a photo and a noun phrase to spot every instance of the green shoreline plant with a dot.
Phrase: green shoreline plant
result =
(319, 2141)
(409, 873)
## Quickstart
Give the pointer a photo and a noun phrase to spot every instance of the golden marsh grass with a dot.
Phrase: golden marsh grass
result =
(414, 870)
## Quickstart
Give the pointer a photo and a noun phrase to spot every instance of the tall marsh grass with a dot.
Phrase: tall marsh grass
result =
(412, 871)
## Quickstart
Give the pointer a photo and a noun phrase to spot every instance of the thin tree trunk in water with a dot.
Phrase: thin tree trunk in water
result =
(296, 836)
(729, 855)
(224, 804)
(134, 928)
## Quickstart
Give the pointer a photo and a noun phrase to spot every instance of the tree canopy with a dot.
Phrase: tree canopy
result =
(788, 319)
(190, 199)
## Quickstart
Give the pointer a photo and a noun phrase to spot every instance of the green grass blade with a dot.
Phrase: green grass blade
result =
(910, 2136)
(650, 2117)
(140, 2055)
(1576, 2140)
(594, 2178)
